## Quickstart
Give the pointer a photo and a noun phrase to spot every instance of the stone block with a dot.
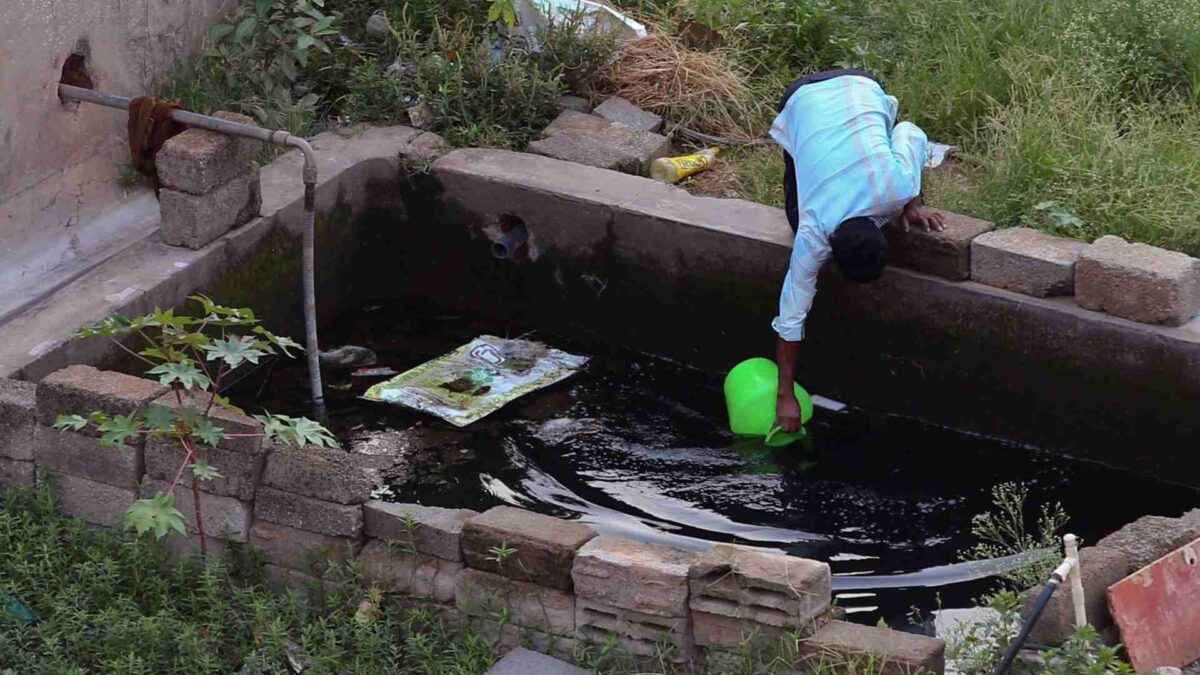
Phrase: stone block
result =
(18, 406)
(729, 633)
(245, 431)
(577, 103)
(1025, 261)
(328, 474)
(1138, 282)
(767, 588)
(240, 472)
(305, 586)
(854, 647)
(945, 254)
(595, 141)
(427, 146)
(195, 221)
(79, 390)
(1100, 567)
(634, 575)
(180, 546)
(223, 517)
(521, 661)
(617, 109)
(640, 633)
(301, 550)
(544, 546)
(80, 455)
(93, 503)
(527, 605)
(399, 571)
(1151, 537)
(15, 473)
(199, 161)
(435, 531)
(306, 513)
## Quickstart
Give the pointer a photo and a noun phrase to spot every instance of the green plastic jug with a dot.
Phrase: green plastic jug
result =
(750, 390)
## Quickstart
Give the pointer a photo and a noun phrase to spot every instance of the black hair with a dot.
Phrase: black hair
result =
(859, 249)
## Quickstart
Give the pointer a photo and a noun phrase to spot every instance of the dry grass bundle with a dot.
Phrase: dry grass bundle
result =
(707, 91)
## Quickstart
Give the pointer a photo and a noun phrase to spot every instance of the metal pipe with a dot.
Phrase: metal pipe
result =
(279, 137)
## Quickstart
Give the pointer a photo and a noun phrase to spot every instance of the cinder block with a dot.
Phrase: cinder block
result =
(544, 547)
(1151, 537)
(621, 111)
(300, 550)
(306, 513)
(634, 575)
(305, 586)
(435, 531)
(223, 517)
(79, 390)
(399, 571)
(854, 647)
(328, 474)
(80, 455)
(1100, 568)
(180, 546)
(195, 221)
(640, 633)
(240, 473)
(527, 605)
(1025, 261)
(199, 161)
(945, 254)
(93, 503)
(729, 633)
(1138, 282)
(18, 406)
(765, 588)
(16, 473)
(245, 432)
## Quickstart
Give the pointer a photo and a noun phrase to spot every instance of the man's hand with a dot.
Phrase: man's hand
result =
(915, 214)
(787, 412)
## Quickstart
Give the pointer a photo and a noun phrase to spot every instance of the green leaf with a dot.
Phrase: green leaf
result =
(324, 25)
(301, 57)
(302, 22)
(114, 326)
(494, 12)
(244, 28)
(299, 430)
(261, 7)
(189, 416)
(167, 319)
(157, 515)
(288, 67)
(154, 353)
(219, 32)
(303, 42)
(308, 101)
(184, 373)
(208, 433)
(159, 418)
(234, 350)
(284, 343)
(202, 470)
(227, 404)
(70, 422)
(117, 430)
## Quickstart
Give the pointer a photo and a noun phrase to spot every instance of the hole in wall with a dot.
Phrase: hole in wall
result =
(76, 71)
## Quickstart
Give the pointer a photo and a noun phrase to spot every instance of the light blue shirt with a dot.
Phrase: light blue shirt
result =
(852, 160)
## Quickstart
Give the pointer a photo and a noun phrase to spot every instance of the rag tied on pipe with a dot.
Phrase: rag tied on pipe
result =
(150, 125)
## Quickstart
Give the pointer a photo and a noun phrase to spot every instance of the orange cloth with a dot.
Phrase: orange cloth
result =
(149, 127)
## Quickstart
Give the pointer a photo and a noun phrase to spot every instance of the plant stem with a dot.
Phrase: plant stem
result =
(199, 520)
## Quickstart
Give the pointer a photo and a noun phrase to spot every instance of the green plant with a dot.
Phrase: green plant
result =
(1003, 532)
(505, 10)
(179, 349)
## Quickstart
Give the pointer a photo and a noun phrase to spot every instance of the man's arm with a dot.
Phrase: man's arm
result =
(910, 145)
(787, 408)
(809, 252)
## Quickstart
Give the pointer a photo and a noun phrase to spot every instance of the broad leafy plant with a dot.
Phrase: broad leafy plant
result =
(193, 356)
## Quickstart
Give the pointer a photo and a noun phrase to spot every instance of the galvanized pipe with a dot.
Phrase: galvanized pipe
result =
(310, 187)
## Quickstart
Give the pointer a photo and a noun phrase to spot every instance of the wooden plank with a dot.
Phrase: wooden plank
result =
(1157, 609)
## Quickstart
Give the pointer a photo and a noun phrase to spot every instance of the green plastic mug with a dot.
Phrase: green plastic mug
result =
(750, 395)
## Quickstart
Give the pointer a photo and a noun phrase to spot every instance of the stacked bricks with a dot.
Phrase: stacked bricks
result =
(227, 502)
(93, 483)
(519, 565)
(17, 422)
(308, 510)
(210, 184)
(1138, 282)
(414, 549)
(637, 591)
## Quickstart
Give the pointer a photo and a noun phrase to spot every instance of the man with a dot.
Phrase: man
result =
(849, 169)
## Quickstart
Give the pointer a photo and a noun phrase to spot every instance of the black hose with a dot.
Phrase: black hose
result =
(1010, 654)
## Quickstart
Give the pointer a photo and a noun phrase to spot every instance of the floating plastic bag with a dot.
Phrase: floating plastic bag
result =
(477, 379)
(533, 17)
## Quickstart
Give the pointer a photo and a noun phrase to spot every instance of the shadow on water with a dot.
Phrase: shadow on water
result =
(639, 447)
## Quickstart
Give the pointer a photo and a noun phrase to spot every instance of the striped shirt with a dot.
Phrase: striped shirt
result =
(851, 160)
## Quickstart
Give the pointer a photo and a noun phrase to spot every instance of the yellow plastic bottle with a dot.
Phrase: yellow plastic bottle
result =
(675, 169)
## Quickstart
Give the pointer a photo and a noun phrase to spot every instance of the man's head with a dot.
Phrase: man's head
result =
(859, 249)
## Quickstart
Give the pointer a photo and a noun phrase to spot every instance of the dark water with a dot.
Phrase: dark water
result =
(639, 447)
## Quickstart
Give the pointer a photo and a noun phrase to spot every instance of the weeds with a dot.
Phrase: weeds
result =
(1003, 532)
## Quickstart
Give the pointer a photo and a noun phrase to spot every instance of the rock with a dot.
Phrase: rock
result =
(640, 633)
(434, 531)
(18, 408)
(617, 109)
(420, 115)
(766, 588)
(328, 474)
(347, 357)
(240, 473)
(93, 503)
(411, 573)
(594, 141)
(880, 650)
(521, 661)
(379, 26)
(543, 547)
(16, 473)
(306, 513)
(1025, 261)
(577, 103)
(1138, 282)
(79, 390)
(427, 146)
(246, 432)
(627, 574)
(1151, 537)
(527, 605)
(223, 517)
(1100, 568)
(79, 455)
(195, 221)
(199, 161)
(300, 550)
(945, 254)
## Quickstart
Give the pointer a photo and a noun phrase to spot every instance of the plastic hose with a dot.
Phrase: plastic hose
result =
(1010, 654)
(310, 301)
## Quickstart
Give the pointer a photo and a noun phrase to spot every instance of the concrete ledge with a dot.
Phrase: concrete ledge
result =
(945, 254)
(18, 406)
